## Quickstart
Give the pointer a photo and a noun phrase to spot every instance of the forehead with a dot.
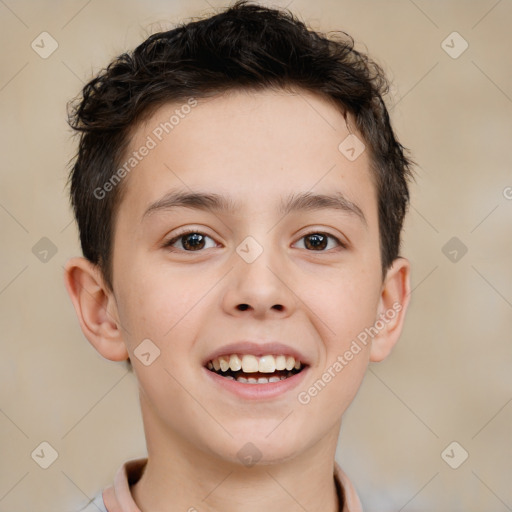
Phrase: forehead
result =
(255, 147)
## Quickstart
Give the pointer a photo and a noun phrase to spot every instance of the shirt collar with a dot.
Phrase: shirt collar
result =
(118, 498)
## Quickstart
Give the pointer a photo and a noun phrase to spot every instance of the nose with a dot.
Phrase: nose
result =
(259, 289)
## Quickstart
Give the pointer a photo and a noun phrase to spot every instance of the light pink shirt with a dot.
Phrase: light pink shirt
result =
(118, 498)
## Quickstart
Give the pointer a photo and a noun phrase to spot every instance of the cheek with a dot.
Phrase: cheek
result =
(350, 309)
(152, 303)
(346, 304)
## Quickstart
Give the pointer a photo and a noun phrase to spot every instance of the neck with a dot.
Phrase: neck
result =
(180, 475)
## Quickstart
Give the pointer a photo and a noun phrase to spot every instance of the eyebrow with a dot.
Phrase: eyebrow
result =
(304, 201)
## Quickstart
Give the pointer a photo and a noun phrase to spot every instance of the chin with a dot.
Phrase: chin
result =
(252, 446)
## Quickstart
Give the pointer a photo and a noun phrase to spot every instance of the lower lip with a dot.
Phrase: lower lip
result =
(257, 391)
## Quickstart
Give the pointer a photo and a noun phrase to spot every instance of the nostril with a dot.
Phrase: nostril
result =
(243, 307)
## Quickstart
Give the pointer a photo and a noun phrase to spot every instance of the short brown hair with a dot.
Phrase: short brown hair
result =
(246, 46)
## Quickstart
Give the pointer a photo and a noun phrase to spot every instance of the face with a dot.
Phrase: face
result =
(281, 258)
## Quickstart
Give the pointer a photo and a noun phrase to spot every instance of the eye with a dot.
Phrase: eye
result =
(318, 241)
(190, 241)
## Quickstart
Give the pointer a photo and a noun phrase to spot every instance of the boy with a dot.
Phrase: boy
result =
(240, 194)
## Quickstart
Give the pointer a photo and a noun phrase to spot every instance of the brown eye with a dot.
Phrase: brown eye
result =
(191, 241)
(316, 241)
(319, 241)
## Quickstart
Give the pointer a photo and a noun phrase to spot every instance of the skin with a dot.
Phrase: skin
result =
(256, 148)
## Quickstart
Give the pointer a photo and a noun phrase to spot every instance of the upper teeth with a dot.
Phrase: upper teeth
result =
(252, 364)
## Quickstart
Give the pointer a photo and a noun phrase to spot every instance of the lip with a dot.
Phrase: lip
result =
(258, 391)
(258, 350)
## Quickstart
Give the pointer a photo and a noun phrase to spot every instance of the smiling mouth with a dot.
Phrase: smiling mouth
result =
(250, 369)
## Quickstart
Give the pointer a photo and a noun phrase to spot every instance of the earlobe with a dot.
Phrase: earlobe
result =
(95, 308)
(393, 304)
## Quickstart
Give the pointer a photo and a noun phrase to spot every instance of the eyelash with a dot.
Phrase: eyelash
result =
(183, 234)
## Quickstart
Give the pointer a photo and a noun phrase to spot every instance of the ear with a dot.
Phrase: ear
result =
(96, 308)
(393, 303)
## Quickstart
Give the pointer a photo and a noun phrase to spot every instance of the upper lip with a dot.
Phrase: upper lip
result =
(257, 349)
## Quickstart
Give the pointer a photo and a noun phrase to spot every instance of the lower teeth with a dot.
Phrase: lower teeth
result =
(260, 380)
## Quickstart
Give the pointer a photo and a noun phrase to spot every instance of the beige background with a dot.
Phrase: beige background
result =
(450, 377)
